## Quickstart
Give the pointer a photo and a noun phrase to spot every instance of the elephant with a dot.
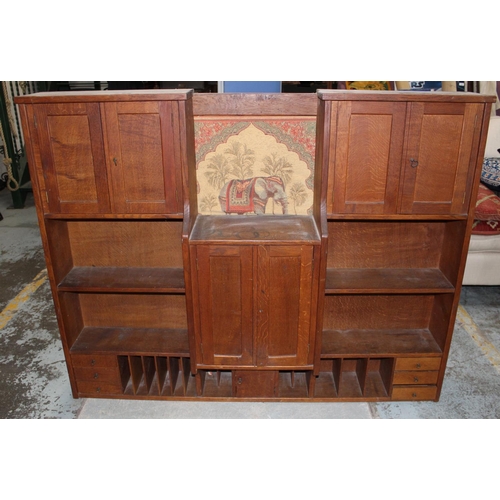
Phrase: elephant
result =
(250, 195)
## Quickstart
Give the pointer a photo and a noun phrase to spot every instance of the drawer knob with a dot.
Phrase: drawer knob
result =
(96, 375)
(414, 395)
(413, 163)
(98, 389)
(92, 362)
(414, 380)
(240, 380)
(418, 365)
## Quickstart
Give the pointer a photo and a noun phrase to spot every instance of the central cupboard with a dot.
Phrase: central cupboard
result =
(353, 300)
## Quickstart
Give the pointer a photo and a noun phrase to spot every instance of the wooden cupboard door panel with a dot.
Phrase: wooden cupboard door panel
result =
(368, 156)
(143, 155)
(72, 154)
(226, 304)
(439, 160)
(284, 294)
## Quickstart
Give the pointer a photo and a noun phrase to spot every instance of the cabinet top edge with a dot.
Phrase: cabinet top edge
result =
(106, 95)
(402, 95)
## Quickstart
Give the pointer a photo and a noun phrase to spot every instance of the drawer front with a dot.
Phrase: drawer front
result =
(97, 374)
(416, 377)
(98, 388)
(255, 384)
(424, 364)
(98, 379)
(87, 360)
(414, 393)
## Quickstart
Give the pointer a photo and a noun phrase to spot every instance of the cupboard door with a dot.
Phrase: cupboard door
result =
(368, 154)
(283, 299)
(143, 156)
(225, 280)
(438, 164)
(72, 154)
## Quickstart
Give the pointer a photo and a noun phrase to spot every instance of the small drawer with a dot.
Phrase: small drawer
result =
(88, 360)
(97, 374)
(99, 388)
(98, 380)
(255, 384)
(414, 393)
(415, 377)
(424, 364)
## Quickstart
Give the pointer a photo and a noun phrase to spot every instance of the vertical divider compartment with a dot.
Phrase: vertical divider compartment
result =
(214, 383)
(155, 375)
(354, 378)
(294, 384)
(136, 372)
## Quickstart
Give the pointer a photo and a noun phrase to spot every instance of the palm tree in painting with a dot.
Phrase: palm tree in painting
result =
(279, 166)
(208, 202)
(219, 171)
(242, 160)
(298, 195)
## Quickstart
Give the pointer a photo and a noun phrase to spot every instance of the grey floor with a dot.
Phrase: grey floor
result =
(34, 382)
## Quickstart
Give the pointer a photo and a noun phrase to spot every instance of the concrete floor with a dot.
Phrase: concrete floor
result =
(34, 382)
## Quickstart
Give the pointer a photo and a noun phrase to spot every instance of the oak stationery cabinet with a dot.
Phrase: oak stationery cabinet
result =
(354, 301)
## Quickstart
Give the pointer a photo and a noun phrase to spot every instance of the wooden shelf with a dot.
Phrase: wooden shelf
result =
(378, 343)
(276, 229)
(387, 281)
(139, 341)
(124, 279)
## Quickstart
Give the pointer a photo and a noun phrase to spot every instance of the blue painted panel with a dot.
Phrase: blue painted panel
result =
(252, 87)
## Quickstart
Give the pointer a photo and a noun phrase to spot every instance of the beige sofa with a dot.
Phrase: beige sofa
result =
(483, 259)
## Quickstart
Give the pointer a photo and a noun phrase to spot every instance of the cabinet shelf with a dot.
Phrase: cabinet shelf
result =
(378, 342)
(123, 279)
(140, 341)
(276, 229)
(413, 280)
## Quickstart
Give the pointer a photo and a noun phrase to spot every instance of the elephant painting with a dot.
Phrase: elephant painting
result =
(250, 195)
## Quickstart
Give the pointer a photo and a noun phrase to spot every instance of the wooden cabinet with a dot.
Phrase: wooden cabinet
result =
(254, 302)
(111, 157)
(393, 157)
(355, 301)
(107, 170)
(402, 168)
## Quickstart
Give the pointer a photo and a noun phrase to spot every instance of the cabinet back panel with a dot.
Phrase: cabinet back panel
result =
(352, 312)
(126, 243)
(384, 244)
(133, 311)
